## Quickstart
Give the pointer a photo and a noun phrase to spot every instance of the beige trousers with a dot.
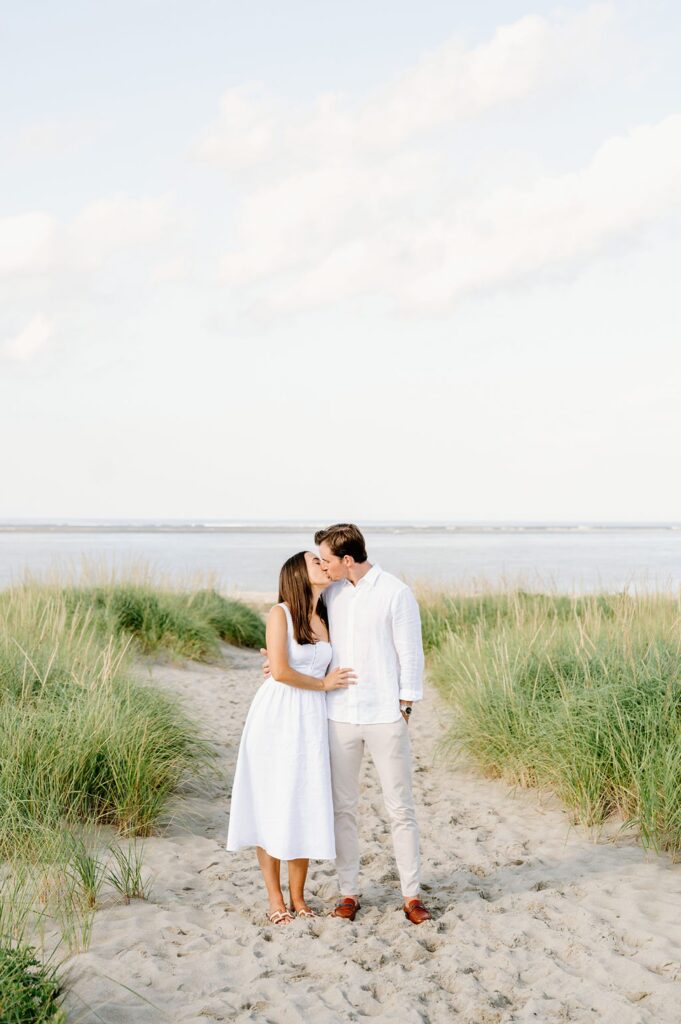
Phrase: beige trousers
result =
(388, 745)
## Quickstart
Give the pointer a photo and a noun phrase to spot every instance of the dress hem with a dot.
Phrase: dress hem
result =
(280, 856)
(383, 721)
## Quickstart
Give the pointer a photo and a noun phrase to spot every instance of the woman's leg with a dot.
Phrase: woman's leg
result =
(297, 873)
(271, 872)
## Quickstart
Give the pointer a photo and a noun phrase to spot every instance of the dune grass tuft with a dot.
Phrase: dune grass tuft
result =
(30, 991)
(80, 738)
(188, 625)
(582, 694)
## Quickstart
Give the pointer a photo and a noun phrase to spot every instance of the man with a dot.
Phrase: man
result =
(375, 628)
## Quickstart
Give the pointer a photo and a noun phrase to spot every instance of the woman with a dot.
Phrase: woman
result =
(281, 795)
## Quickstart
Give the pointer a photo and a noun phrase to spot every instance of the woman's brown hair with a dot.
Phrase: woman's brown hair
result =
(296, 590)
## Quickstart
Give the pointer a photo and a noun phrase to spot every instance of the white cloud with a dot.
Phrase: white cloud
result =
(172, 271)
(632, 181)
(340, 231)
(115, 224)
(339, 205)
(247, 131)
(257, 131)
(39, 243)
(337, 202)
(28, 342)
(453, 84)
(426, 263)
(64, 266)
(27, 242)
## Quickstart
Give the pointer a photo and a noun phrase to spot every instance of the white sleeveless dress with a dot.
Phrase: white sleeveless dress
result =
(281, 793)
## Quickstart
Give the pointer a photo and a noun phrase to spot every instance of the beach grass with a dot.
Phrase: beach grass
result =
(85, 745)
(581, 694)
(30, 990)
(80, 738)
(184, 624)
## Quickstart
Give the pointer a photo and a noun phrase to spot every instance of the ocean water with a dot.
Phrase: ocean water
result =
(567, 559)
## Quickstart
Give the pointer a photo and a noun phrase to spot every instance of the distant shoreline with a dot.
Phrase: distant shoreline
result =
(285, 528)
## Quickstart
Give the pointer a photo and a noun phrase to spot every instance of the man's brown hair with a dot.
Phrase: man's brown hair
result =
(343, 539)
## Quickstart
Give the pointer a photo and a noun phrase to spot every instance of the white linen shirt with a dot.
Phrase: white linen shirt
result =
(375, 629)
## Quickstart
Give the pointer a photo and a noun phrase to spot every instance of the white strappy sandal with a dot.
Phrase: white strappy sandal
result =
(279, 917)
(305, 913)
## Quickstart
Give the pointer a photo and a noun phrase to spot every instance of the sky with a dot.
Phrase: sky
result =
(366, 261)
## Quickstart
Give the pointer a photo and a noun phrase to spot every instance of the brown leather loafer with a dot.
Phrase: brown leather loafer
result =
(347, 908)
(415, 911)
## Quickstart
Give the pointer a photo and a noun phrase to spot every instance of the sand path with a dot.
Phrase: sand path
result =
(534, 921)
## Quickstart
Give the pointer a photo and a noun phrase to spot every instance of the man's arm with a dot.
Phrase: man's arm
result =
(406, 621)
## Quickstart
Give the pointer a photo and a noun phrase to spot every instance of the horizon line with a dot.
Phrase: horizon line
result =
(208, 524)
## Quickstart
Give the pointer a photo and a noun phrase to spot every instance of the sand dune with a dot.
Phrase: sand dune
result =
(535, 922)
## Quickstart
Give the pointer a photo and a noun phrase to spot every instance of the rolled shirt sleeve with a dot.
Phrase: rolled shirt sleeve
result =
(406, 622)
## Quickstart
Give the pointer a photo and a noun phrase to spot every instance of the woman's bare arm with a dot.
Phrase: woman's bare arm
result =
(277, 651)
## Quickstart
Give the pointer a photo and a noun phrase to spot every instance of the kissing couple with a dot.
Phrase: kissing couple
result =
(344, 668)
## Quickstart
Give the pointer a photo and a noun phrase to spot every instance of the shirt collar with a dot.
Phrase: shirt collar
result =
(368, 580)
